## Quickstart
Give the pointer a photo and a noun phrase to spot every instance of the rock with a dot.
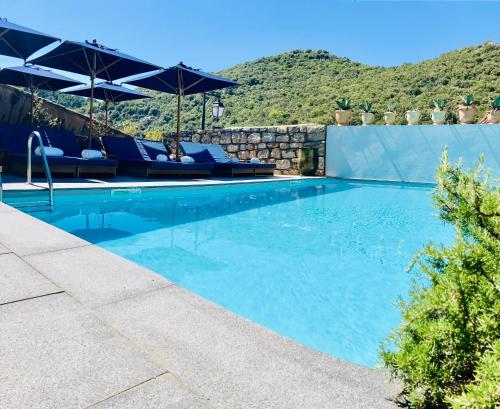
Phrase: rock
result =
(261, 146)
(284, 145)
(254, 138)
(288, 154)
(268, 137)
(283, 164)
(243, 155)
(215, 139)
(283, 138)
(196, 138)
(225, 139)
(276, 153)
(298, 137)
(232, 148)
(205, 139)
(296, 145)
(263, 154)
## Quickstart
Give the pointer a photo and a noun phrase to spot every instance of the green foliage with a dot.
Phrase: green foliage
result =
(439, 104)
(390, 107)
(41, 116)
(344, 104)
(495, 103)
(366, 106)
(130, 128)
(302, 86)
(446, 350)
(154, 134)
(468, 100)
(484, 391)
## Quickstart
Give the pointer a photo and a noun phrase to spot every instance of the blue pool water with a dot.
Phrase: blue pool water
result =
(318, 261)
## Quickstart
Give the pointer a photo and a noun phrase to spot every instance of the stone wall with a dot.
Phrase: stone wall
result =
(271, 144)
(15, 106)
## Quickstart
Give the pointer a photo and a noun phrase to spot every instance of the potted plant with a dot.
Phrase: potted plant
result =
(343, 115)
(494, 114)
(412, 115)
(367, 116)
(390, 114)
(467, 110)
(438, 114)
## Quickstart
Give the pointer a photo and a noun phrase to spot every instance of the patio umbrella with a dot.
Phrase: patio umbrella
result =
(108, 92)
(33, 77)
(20, 42)
(94, 60)
(181, 80)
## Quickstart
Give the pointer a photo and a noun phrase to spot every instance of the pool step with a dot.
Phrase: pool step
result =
(31, 207)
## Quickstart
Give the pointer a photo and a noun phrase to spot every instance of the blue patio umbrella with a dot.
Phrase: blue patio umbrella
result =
(20, 42)
(181, 80)
(107, 92)
(33, 77)
(94, 60)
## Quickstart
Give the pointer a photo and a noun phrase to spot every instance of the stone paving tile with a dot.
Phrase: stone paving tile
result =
(95, 276)
(3, 249)
(57, 354)
(24, 234)
(164, 392)
(19, 280)
(234, 363)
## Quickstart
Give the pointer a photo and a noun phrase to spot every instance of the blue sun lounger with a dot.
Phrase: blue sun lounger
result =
(215, 154)
(137, 157)
(14, 139)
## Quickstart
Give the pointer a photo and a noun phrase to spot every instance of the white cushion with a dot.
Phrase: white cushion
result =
(255, 161)
(171, 156)
(91, 154)
(234, 160)
(161, 157)
(49, 151)
(187, 159)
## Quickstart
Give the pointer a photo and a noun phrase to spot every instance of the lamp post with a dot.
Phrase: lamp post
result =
(217, 108)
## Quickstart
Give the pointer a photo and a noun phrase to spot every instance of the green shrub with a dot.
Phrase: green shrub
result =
(446, 350)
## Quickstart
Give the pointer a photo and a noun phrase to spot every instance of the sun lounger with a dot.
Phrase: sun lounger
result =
(134, 159)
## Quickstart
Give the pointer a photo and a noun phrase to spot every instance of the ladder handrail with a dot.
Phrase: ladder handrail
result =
(46, 168)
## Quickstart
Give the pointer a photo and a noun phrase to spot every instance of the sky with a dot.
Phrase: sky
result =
(217, 34)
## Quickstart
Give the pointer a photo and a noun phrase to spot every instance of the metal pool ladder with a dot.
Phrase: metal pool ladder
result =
(39, 203)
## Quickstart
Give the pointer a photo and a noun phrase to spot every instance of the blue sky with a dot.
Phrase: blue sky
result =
(217, 34)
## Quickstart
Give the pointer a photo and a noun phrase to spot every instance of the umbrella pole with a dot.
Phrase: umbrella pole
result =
(32, 104)
(92, 78)
(106, 109)
(178, 126)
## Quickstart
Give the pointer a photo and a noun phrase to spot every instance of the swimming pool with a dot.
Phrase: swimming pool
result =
(320, 261)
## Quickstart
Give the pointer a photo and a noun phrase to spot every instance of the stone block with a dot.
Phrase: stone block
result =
(321, 163)
(288, 154)
(298, 137)
(261, 146)
(225, 139)
(296, 145)
(282, 129)
(243, 155)
(263, 154)
(283, 138)
(215, 139)
(196, 138)
(243, 147)
(284, 145)
(205, 139)
(268, 137)
(276, 153)
(283, 164)
(233, 148)
(254, 138)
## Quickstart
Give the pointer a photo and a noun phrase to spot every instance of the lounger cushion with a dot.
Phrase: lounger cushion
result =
(124, 147)
(97, 162)
(197, 151)
(154, 148)
(52, 160)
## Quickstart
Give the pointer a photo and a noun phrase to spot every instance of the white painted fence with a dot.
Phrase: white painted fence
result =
(407, 153)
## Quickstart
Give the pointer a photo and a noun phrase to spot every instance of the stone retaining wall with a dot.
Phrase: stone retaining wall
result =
(271, 144)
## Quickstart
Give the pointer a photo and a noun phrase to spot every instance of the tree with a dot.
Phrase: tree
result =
(446, 352)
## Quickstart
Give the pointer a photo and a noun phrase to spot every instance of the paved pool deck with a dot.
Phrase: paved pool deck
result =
(81, 327)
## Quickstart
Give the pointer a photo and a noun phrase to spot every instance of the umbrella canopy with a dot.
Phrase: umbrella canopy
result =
(94, 60)
(108, 92)
(20, 42)
(181, 80)
(35, 78)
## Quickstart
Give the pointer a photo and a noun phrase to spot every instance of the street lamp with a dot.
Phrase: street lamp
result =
(217, 108)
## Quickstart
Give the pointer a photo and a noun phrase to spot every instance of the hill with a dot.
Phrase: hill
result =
(302, 86)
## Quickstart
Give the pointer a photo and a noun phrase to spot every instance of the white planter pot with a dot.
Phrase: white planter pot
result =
(343, 117)
(494, 117)
(438, 117)
(467, 114)
(367, 118)
(413, 117)
(389, 118)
